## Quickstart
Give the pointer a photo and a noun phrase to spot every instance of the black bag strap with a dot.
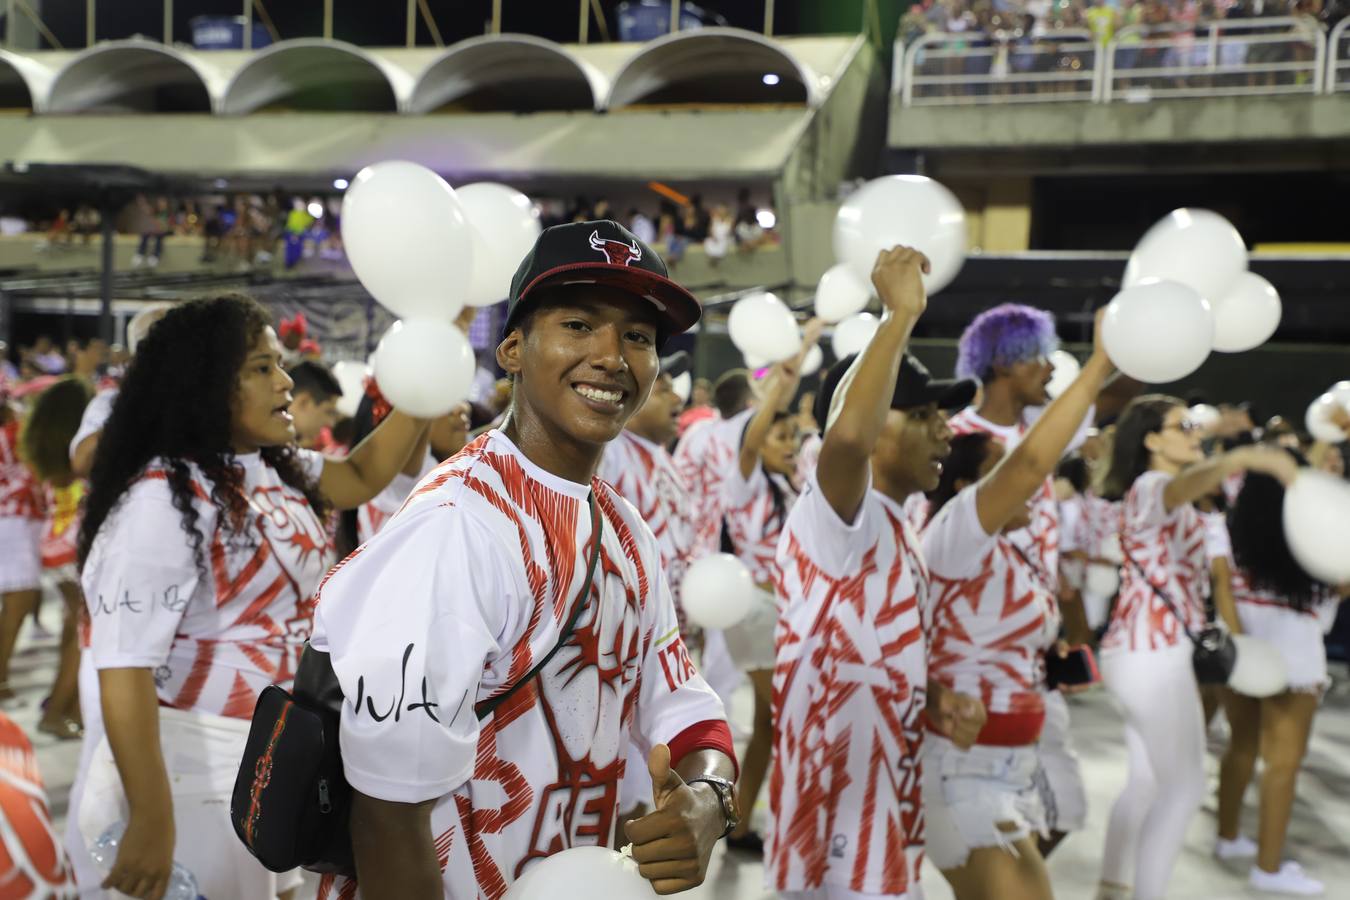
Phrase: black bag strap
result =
(487, 707)
(1036, 570)
(1162, 595)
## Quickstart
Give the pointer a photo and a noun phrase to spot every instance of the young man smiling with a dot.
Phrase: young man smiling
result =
(486, 573)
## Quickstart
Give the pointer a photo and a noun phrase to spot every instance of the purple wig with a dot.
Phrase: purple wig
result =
(1003, 336)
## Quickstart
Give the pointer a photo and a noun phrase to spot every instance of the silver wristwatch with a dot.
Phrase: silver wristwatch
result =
(726, 795)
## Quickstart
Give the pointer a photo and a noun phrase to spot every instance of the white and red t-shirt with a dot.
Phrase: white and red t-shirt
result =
(96, 415)
(849, 690)
(456, 600)
(20, 493)
(993, 619)
(1102, 518)
(1040, 539)
(703, 458)
(59, 545)
(1075, 536)
(33, 861)
(644, 474)
(1218, 543)
(756, 511)
(214, 642)
(808, 456)
(1169, 548)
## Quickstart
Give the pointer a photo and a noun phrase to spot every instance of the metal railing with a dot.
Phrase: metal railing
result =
(1338, 59)
(970, 68)
(1285, 55)
(1277, 55)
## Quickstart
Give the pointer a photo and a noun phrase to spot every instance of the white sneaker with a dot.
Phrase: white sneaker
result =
(1240, 847)
(1291, 879)
(137, 261)
(153, 262)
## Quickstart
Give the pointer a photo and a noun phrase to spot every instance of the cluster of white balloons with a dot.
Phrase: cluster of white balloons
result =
(1319, 418)
(909, 210)
(1187, 292)
(424, 251)
(1316, 524)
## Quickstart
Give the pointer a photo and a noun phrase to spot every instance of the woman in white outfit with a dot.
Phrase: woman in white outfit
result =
(1158, 469)
(201, 547)
(1278, 602)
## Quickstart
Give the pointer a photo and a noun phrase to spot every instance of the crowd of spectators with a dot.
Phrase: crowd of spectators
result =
(1038, 37)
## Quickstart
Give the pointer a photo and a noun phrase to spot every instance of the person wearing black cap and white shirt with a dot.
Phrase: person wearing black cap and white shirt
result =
(481, 576)
(851, 681)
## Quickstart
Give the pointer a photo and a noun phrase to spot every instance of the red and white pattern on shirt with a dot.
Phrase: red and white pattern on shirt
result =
(990, 633)
(549, 759)
(1170, 550)
(261, 604)
(755, 521)
(850, 686)
(1243, 592)
(20, 493)
(59, 544)
(1039, 540)
(33, 863)
(704, 457)
(644, 474)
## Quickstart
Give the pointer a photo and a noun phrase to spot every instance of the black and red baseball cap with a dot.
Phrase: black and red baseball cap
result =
(602, 252)
(914, 386)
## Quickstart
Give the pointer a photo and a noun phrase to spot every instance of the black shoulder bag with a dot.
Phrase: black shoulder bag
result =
(1214, 654)
(291, 801)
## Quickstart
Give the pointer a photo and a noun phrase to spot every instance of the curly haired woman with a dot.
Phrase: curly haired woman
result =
(201, 547)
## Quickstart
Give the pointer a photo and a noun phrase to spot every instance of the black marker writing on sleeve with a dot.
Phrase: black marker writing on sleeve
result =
(172, 601)
(396, 707)
(104, 606)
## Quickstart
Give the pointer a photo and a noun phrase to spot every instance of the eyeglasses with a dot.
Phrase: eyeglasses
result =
(1185, 426)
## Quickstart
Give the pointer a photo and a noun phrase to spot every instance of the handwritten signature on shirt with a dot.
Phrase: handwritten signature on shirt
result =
(396, 706)
(172, 600)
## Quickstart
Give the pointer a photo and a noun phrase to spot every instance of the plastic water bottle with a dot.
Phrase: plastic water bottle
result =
(182, 885)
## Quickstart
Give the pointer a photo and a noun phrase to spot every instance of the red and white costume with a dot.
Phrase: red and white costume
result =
(33, 865)
(1296, 634)
(453, 602)
(213, 640)
(756, 512)
(850, 686)
(645, 475)
(22, 509)
(1168, 549)
(372, 515)
(704, 457)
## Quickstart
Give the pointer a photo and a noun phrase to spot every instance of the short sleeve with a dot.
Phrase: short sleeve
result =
(955, 543)
(674, 695)
(1218, 544)
(390, 500)
(140, 577)
(312, 462)
(95, 417)
(410, 621)
(834, 545)
(1144, 505)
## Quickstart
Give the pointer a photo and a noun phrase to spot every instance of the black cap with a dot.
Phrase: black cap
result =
(915, 386)
(602, 252)
(676, 364)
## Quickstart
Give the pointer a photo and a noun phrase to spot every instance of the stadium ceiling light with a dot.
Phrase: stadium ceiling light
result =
(770, 78)
(340, 183)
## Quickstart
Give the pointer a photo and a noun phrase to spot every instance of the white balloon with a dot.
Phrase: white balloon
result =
(763, 326)
(1158, 331)
(1247, 315)
(853, 334)
(840, 294)
(1066, 370)
(1196, 247)
(351, 375)
(911, 210)
(408, 240)
(505, 228)
(1260, 670)
(582, 873)
(1317, 524)
(424, 367)
(811, 363)
(1319, 421)
(1204, 415)
(717, 591)
(1341, 391)
(683, 385)
(755, 363)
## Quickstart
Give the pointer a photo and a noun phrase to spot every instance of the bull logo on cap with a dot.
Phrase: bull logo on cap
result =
(616, 252)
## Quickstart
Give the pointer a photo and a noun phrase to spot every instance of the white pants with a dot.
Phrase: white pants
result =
(1165, 740)
(201, 755)
(88, 876)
